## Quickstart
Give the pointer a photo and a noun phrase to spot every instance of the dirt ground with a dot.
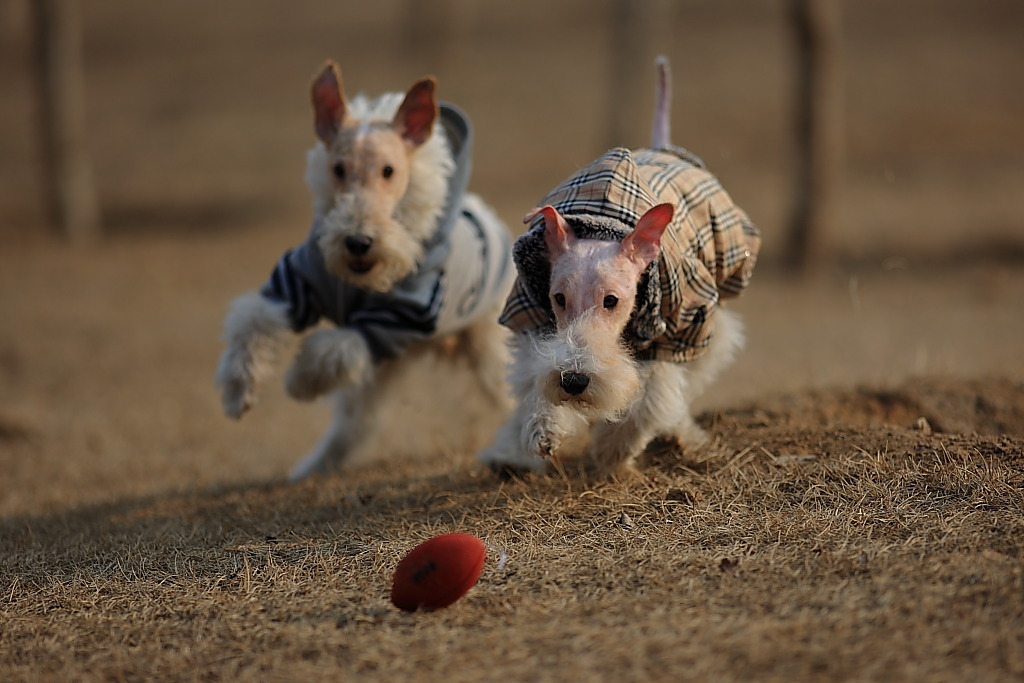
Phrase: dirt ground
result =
(860, 511)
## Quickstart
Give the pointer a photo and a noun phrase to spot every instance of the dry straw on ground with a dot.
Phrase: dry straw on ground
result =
(874, 547)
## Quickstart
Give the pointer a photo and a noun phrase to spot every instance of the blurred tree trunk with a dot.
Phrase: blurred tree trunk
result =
(817, 26)
(639, 31)
(68, 189)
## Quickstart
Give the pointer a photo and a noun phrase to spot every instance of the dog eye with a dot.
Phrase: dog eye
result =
(339, 171)
(388, 171)
(560, 300)
(611, 301)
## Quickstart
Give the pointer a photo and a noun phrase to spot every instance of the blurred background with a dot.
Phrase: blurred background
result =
(194, 119)
(197, 116)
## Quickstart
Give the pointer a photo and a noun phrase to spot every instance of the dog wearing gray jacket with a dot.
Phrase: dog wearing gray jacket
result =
(401, 261)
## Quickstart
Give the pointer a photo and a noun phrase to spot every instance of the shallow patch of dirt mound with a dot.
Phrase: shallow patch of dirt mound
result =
(989, 407)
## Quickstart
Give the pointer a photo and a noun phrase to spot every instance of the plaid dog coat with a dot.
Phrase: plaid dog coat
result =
(708, 251)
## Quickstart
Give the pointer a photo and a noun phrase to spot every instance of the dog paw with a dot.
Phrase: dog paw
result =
(326, 360)
(507, 472)
(315, 464)
(237, 396)
(507, 462)
(237, 384)
(688, 435)
(612, 472)
(540, 442)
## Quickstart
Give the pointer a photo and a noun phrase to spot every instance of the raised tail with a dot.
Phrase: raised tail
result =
(660, 132)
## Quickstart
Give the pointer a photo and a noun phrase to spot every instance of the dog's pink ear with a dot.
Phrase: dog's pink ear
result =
(644, 243)
(414, 120)
(328, 102)
(557, 234)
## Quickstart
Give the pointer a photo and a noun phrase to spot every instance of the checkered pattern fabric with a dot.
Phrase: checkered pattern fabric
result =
(708, 251)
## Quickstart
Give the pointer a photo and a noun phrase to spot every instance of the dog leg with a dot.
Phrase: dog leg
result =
(544, 429)
(616, 445)
(485, 344)
(727, 340)
(507, 454)
(348, 427)
(534, 429)
(528, 440)
(328, 359)
(254, 329)
(661, 410)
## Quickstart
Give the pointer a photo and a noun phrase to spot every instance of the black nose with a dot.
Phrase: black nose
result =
(358, 245)
(574, 383)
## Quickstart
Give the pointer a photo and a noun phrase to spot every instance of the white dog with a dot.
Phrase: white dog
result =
(617, 305)
(400, 258)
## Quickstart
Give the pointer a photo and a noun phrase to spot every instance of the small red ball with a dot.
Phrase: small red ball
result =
(438, 572)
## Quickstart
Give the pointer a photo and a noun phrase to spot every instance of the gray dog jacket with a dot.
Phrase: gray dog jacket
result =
(465, 271)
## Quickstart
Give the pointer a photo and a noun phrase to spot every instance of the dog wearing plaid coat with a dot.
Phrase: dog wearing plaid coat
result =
(617, 307)
(409, 267)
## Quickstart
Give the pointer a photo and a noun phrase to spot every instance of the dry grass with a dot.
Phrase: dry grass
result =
(854, 552)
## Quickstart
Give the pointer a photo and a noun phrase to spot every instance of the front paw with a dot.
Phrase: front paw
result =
(539, 441)
(326, 360)
(237, 384)
(237, 396)
(507, 459)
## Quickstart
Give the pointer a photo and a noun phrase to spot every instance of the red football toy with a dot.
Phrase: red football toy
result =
(438, 572)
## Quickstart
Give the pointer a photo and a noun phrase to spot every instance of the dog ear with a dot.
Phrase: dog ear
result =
(414, 120)
(644, 243)
(557, 234)
(328, 102)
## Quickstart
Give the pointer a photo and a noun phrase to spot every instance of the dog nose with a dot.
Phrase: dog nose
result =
(574, 383)
(358, 245)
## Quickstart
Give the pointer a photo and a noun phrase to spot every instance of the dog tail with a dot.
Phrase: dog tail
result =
(660, 133)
